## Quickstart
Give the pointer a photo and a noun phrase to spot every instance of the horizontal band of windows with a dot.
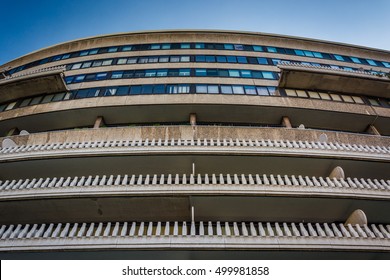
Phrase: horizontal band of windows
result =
(200, 59)
(141, 89)
(187, 72)
(210, 46)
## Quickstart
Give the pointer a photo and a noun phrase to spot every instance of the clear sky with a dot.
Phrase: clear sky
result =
(28, 25)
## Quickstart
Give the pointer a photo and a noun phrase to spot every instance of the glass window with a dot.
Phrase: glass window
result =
(371, 62)
(68, 95)
(336, 97)
(171, 88)
(87, 64)
(10, 106)
(200, 58)
(339, 57)
(386, 64)
(113, 49)
(184, 72)
(155, 46)
(325, 96)
(308, 53)
(126, 48)
(122, 61)
(110, 91)
(242, 59)
(153, 59)
(355, 60)
(299, 52)
(84, 53)
(258, 48)
(139, 73)
(212, 89)
(212, 72)
(79, 78)
(271, 49)
(226, 89)
(234, 73)
(228, 47)
(184, 59)
(147, 89)
(268, 75)
(175, 59)
(65, 56)
(47, 98)
(200, 72)
(201, 88)
(82, 93)
(173, 72)
(69, 80)
(128, 74)
(373, 101)
(122, 91)
(58, 57)
(290, 92)
(166, 46)
(301, 93)
(76, 66)
(358, 99)
(97, 63)
(163, 59)
(93, 92)
(210, 58)
(185, 46)
(107, 62)
(2, 107)
(143, 60)
(231, 59)
(238, 89)
(262, 91)
(318, 55)
(101, 76)
(246, 74)
(199, 46)
(94, 51)
(271, 90)
(250, 90)
(135, 89)
(183, 88)
(58, 96)
(132, 60)
(159, 89)
(313, 94)
(24, 103)
(150, 73)
(221, 59)
(223, 73)
(262, 60)
(347, 98)
(239, 47)
(162, 73)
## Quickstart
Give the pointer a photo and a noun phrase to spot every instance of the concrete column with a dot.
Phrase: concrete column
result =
(337, 173)
(372, 130)
(193, 119)
(286, 122)
(358, 217)
(99, 122)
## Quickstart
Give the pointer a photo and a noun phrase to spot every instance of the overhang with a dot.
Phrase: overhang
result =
(48, 80)
(294, 75)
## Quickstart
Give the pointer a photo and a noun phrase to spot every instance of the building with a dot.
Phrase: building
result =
(196, 144)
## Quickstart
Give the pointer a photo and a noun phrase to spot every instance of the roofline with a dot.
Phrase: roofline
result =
(238, 32)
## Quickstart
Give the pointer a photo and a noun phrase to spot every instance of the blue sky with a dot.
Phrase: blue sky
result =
(27, 26)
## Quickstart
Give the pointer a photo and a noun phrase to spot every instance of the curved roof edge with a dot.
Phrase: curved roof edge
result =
(204, 31)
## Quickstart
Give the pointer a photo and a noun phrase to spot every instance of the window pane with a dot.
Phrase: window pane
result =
(185, 46)
(183, 88)
(10, 106)
(132, 60)
(290, 92)
(262, 60)
(339, 57)
(84, 53)
(163, 59)
(336, 97)
(200, 58)
(271, 49)
(79, 78)
(24, 103)
(231, 59)
(371, 62)
(201, 88)
(128, 74)
(299, 52)
(162, 73)
(313, 94)
(234, 73)
(212, 72)
(271, 90)
(171, 88)
(143, 60)
(223, 73)
(268, 75)
(159, 89)
(199, 46)
(212, 89)
(238, 89)
(97, 63)
(373, 102)
(184, 72)
(308, 53)
(325, 96)
(65, 56)
(250, 90)
(257, 48)
(184, 59)
(95, 51)
(126, 48)
(153, 59)
(93, 92)
(87, 64)
(226, 89)
(301, 93)
(386, 64)
(122, 91)
(239, 47)
(155, 47)
(262, 91)
(147, 89)
(318, 55)
(166, 46)
(246, 74)
(107, 62)
(101, 76)
(257, 74)
(200, 72)
(135, 89)
(150, 73)
(83, 93)
(76, 66)
(47, 98)
(122, 61)
(175, 59)
(358, 99)
(356, 60)
(58, 96)
(221, 59)
(242, 59)
(113, 49)
(110, 91)
(347, 98)
(228, 46)
(210, 58)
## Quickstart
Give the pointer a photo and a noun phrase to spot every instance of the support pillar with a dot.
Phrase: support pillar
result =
(286, 122)
(372, 130)
(99, 122)
(193, 119)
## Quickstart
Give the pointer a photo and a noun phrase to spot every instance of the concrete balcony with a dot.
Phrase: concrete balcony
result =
(296, 75)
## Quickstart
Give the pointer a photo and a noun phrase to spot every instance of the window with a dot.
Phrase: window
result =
(147, 89)
(110, 91)
(175, 59)
(212, 89)
(257, 48)
(246, 74)
(226, 90)
(58, 96)
(228, 47)
(171, 88)
(163, 59)
(271, 90)
(143, 60)
(122, 91)
(153, 59)
(107, 62)
(339, 57)
(159, 89)
(65, 56)
(162, 73)
(165, 46)
(128, 74)
(271, 49)
(199, 46)
(358, 99)
(242, 59)
(139, 73)
(238, 89)
(372, 62)
(185, 46)
(10, 106)
(313, 94)
(239, 47)
(290, 92)
(234, 73)
(336, 97)
(262, 91)
(126, 48)
(47, 98)
(69, 80)
(93, 92)
(212, 72)
(268, 75)
(308, 53)
(122, 61)
(223, 73)
(318, 55)
(184, 72)
(94, 51)
(132, 60)
(262, 60)
(299, 52)
(150, 73)
(386, 64)
(200, 58)
(79, 78)
(355, 60)
(250, 90)
(87, 64)
(325, 96)
(173, 72)
(201, 88)
(200, 72)
(221, 59)
(84, 53)
(301, 93)
(184, 59)
(112, 49)
(101, 76)
(155, 47)
(373, 102)
(347, 98)
(183, 88)
(210, 58)
(97, 63)
(24, 103)
(231, 59)
(135, 89)
(76, 66)
(82, 93)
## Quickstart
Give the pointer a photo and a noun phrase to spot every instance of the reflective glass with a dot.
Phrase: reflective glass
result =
(183, 88)
(155, 46)
(262, 60)
(221, 59)
(162, 73)
(238, 89)
(126, 48)
(268, 75)
(231, 59)
(76, 66)
(159, 89)
(113, 49)
(171, 88)
(184, 72)
(228, 47)
(339, 57)
(226, 89)
(234, 73)
(199, 46)
(250, 90)
(135, 89)
(200, 58)
(117, 75)
(101, 76)
(185, 46)
(132, 60)
(150, 73)
(308, 53)
(318, 55)
(356, 60)
(257, 48)
(122, 61)
(371, 62)
(95, 51)
(210, 58)
(262, 91)
(271, 49)
(107, 62)
(299, 52)
(163, 59)
(201, 88)
(246, 74)
(242, 59)
(212, 89)
(200, 72)
(184, 59)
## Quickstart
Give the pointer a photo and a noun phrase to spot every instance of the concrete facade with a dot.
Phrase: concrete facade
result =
(267, 173)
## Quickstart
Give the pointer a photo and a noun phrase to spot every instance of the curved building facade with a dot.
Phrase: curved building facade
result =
(195, 144)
